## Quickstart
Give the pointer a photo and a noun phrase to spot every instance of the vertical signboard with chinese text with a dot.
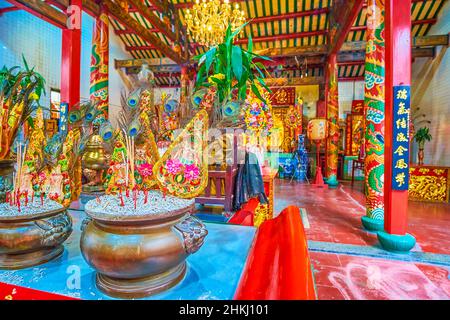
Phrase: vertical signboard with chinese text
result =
(64, 108)
(400, 136)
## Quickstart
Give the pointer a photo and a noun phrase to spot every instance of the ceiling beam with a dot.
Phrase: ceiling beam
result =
(346, 56)
(422, 41)
(293, 51)
(191, 4)
(350, 51)
(8, 9)
(285, 36)
(89, 6)
(131, 63)
(131, 23)
(424, 52)
(273, 82)
(347, 79)
(296, 81)
(140, 48)
(413, 23)
(351, 63)
(353, 46)
(128, 31)
(43, 11)
(431, 41)
(154, 19)
(290, 15)
(342, 16)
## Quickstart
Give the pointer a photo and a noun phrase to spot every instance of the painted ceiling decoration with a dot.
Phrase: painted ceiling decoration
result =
(283, 24)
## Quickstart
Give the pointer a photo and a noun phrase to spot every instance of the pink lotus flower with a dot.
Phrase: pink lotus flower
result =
(42, 177)
(191, 172)
(145, 170)
(173, 166)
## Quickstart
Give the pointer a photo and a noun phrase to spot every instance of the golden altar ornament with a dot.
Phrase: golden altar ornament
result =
(429, 183)
(207, 22)
(94, 161)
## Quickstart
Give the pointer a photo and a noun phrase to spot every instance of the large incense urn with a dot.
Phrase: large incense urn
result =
(33, 236)
(139, 248)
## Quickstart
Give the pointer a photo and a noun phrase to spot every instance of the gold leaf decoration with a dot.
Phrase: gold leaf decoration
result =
(183, 169)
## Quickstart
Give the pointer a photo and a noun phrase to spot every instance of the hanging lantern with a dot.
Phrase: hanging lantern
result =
(317, 129)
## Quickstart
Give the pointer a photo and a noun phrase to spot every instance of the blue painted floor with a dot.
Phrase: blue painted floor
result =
(213, 272)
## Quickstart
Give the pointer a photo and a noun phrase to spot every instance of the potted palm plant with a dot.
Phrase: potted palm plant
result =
(227, 74)
(422, 135)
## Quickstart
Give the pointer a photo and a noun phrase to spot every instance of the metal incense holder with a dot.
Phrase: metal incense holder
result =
(31, 239)
(139, 254)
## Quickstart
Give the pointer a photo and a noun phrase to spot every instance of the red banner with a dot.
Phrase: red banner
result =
(283, 96)
(321, 109)
(358, 107)
(348, 135)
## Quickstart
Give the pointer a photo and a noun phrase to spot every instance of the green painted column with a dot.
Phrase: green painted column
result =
(99, 62)
(374, 104)
(333, 125)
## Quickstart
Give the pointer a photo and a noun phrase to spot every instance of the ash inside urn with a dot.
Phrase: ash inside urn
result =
(154, 203)
(32, 207)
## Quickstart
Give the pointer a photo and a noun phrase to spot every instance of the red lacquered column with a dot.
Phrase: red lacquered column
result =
(398, 73)
(71, 55)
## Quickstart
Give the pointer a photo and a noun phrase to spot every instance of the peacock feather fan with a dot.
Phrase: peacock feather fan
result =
(84, 113)
(129, 118)
(197, 97)
(106, 131)
(52, 150)
(134, 98)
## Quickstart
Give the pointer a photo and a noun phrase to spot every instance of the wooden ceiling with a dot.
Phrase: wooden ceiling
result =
(152, 29)
(278, 27)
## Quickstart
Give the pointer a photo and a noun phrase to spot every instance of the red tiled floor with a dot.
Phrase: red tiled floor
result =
(439, 276)
(363, 278)
(335, 215)
(329, 293)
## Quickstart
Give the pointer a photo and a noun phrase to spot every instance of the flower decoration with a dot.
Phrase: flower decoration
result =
(191, 172)
(173, 166)
(208, 100)
(145, 170)
(257, 114)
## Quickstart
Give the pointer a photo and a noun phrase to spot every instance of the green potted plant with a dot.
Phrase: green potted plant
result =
(229, 71)
(20, 91)
(422, 135)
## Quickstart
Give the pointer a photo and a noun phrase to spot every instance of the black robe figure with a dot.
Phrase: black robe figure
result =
(249, 182)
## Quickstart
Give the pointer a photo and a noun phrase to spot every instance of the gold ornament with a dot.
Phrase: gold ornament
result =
(261, 214)
(208, 21)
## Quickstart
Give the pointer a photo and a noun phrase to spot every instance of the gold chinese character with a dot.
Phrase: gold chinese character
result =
(401, 164)
(401, 123)
(401, 137)
(400, 179)
(400, 150)
(402, 109)
(402, 94)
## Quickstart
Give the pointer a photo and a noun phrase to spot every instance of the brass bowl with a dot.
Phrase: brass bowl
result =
(30, 240)
(137, 256)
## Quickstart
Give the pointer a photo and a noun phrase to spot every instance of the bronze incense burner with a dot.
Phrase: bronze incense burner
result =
(140, 255)
(29, 240)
